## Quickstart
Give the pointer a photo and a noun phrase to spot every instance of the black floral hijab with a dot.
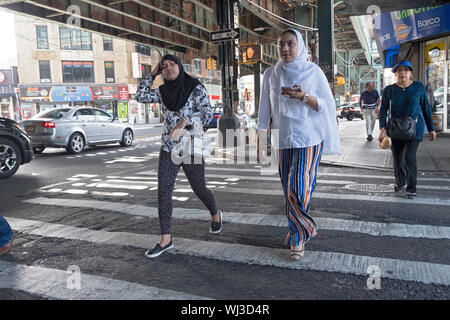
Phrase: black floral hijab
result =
(176, 92)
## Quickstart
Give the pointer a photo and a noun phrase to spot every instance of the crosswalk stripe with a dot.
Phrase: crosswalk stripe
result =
(429, 273)
(56, 284)
(320, 181)
(371, 228)
(226, 189)
(339, 196)
(321, 173)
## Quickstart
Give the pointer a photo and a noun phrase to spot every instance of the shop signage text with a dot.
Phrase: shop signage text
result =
(406, 25)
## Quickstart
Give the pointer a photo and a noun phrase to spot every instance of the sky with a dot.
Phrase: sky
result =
(8, 56)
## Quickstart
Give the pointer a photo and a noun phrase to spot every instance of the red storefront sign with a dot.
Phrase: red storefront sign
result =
(123, 93)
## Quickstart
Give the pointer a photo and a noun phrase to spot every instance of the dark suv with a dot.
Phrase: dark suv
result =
(15, 147)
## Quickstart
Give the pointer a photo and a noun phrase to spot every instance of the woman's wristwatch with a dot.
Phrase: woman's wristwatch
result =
(305, 98)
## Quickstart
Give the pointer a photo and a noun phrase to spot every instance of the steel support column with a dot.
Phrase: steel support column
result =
(257, 86)
(224, 10)
(326, 38)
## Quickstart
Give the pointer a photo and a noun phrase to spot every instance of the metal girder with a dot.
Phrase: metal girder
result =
(124, 25)
(264, 17)
(41, 10)
(173, 14)
(127, 11)
(205, 4)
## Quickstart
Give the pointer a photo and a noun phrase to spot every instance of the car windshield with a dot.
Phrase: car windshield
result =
(53, 114)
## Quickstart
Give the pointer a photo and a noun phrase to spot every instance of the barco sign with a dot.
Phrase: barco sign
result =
(428, 22)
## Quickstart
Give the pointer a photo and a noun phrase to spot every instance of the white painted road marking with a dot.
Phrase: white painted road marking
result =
(320, 181)
(52, 284)
(313, 260)
(371, 228)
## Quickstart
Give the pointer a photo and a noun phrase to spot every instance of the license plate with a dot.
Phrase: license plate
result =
(30, 128)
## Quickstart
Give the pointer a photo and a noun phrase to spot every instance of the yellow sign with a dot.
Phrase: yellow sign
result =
(434, 53)
(437, 121)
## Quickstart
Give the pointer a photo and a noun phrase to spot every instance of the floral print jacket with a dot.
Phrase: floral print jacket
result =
(197, 111)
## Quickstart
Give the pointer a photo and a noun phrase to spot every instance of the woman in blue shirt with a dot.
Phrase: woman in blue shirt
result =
(6, 236)
(408, 98)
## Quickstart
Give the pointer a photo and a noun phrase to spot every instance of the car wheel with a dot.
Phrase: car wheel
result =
(127, 138)
(38, 150)
(76, 143)
(10, 158)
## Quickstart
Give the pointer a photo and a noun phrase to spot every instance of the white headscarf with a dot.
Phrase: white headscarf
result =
(311, 78)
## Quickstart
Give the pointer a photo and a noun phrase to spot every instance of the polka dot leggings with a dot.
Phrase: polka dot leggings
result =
(167, 173)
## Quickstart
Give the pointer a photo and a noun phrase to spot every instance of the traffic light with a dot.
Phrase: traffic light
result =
(339, 81)
(250, 53)
(211, 64)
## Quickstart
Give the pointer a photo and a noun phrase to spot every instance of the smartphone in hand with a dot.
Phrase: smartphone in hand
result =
(285, 90)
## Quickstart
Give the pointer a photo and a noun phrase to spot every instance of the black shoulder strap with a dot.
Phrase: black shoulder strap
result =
(390, 99)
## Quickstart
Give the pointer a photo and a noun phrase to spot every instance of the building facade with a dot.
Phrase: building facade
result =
(422, 36)
(59, 65)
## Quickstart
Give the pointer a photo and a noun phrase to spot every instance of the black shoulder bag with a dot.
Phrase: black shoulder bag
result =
(403, 128)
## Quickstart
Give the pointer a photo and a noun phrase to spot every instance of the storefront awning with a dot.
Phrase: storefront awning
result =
(397, 27)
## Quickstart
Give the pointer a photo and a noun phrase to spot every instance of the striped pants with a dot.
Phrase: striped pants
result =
(298, 171)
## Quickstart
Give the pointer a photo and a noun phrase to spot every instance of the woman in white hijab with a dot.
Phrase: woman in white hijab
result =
(298, 107)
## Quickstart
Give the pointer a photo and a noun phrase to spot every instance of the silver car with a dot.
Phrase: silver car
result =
(74, 128)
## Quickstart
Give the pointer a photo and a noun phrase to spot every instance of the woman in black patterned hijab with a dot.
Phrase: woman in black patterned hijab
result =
(186, 109)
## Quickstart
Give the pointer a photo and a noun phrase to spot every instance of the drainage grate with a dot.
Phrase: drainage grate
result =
(371, 187)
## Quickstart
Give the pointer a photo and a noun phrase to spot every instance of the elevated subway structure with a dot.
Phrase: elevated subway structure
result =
(184, 27)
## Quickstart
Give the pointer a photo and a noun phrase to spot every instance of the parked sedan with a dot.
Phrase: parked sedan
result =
(218, 111)
(74, 128)
(15, 147)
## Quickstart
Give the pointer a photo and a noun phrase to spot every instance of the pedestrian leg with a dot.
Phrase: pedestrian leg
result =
(369, 123)
(196, 177)
(167, 173)
(398, 162)
(411, 166)
(373, 118)
(298, 171)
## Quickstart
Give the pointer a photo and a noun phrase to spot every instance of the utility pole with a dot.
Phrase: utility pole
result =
(326, 39)
(224, 15)
(257, 86)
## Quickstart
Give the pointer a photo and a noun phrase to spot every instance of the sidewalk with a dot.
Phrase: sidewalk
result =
(356, 151)
(145, 125)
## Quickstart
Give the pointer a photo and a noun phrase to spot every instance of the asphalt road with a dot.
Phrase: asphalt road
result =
(97, 213)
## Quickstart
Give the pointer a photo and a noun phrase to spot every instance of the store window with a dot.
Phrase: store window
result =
(44, 71)
(143, 49)
(109, 72)
(42, 37)
(107, 43)
(434, 72)
(78, 71)
(74, 39)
